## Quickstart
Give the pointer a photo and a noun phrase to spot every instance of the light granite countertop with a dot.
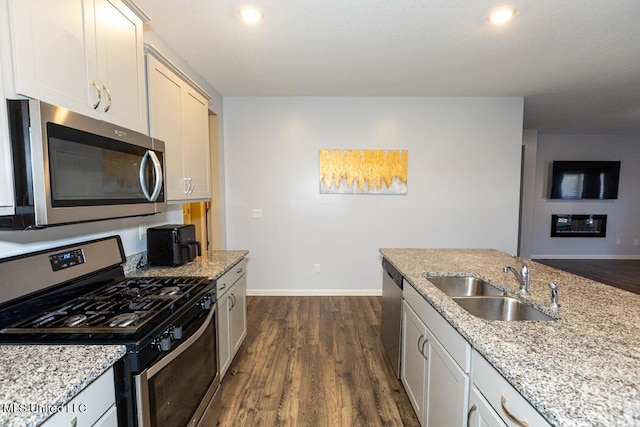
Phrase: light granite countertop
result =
(38, 379)
(212, 264)
(580, 370)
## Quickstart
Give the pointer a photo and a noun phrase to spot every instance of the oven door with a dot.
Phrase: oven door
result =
(181, 388)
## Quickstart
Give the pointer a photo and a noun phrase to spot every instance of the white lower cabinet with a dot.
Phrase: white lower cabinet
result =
(436, 384)
(507, 403)
(447, 382)
(232, 314)
(448, 388)
(93, 406)
(415, 366)
(481, 414)
(110, 419)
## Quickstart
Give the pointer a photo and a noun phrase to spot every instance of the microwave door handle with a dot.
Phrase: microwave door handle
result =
(157, 170)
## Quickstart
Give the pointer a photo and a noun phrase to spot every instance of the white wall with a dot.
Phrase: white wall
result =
(623, 219)
(528, 195)
(464, 184)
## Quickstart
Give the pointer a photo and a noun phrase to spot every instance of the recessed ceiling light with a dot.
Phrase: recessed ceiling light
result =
(250, 15)
(502, 14)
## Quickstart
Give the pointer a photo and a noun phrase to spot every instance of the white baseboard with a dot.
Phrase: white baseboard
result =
(314, 292)
(555, 256)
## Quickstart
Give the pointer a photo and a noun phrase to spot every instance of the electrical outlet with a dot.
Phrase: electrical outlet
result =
(635, 242)
(617, 241)
(256, 213)
(316, 268)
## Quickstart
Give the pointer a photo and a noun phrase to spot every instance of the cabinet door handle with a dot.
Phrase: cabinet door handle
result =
(98, 93)
(423, 351)
(185, 185)
(238, 271)
(420, 344)
(503, 402)
(473, 408)
(106, 89)
(224, 285)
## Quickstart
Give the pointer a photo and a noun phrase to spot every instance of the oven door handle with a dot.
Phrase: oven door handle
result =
(157, 367)
(157, 171)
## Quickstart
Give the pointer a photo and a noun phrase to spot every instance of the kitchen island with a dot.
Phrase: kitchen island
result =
(579, 370)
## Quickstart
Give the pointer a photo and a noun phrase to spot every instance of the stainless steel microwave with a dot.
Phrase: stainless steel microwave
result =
(69, 168)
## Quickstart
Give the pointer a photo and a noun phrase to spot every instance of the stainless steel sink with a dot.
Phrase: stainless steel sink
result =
(501, 308)
(464, 286)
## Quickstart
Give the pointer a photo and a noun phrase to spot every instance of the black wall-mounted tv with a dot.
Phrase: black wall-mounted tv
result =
(576, 180)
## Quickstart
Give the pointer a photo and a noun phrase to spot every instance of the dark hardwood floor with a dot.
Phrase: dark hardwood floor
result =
(313, 361)
(621, 273)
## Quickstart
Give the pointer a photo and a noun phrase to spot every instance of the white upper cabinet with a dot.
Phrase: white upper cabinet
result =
(179, 116)
(195, 136)
(85, 55)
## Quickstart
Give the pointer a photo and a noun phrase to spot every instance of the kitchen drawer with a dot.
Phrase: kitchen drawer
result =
(456, 345)
(508, 403)
(225, 281)
(110, 419)
(88, 406)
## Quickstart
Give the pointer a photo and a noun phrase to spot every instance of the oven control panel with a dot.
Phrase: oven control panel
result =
(66, 259)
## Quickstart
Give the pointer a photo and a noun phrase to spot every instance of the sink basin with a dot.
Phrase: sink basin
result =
(464, 286)
(501, 308)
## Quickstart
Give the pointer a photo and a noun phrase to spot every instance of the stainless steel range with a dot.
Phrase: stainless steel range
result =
(78, 294)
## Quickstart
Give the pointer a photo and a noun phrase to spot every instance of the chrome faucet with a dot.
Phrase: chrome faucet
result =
(522, 276)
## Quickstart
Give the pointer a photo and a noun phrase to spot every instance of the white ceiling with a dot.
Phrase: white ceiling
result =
(576, 62)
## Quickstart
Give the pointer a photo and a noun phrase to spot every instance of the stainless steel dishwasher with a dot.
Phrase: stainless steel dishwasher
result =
(391, 322)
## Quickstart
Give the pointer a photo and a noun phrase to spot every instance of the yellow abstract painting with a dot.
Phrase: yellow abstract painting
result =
(363, 171)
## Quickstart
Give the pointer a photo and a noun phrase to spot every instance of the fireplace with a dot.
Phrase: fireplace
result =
(568, 225)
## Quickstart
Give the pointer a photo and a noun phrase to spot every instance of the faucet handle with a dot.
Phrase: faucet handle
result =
(554, 295)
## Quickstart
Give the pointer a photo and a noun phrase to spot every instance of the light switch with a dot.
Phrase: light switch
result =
(256, 213)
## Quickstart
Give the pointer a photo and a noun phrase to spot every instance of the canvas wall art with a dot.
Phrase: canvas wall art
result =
(363, 171)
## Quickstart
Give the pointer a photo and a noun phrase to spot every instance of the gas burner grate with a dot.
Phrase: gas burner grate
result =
(122, 307)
